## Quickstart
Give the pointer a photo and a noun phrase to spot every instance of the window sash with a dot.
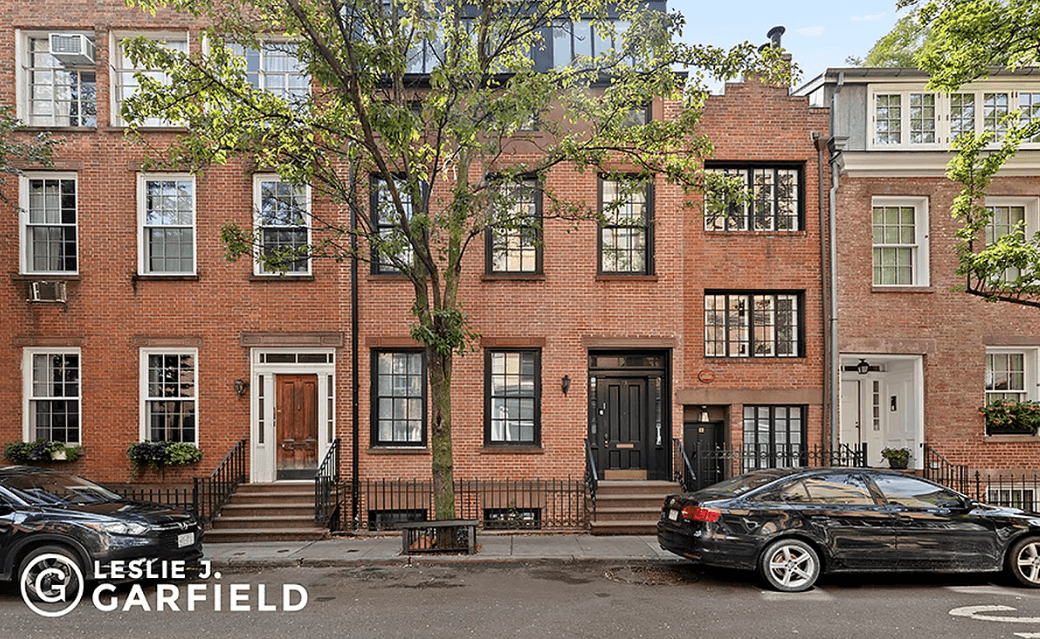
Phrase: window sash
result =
(752, 325)
(895, 245)
(54, 396)
(50, 225)
(625, 233)
(513, 397)
(399, 411)
(283, 216)
(1006, 374)
(517, 249)
(168, 225)
(276, 68)
(58, 96)
(385, 220)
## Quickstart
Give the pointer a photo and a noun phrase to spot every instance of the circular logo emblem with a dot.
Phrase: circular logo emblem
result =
(52, 585)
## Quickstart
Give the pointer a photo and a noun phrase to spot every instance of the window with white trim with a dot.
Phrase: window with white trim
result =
(167, 216)
(124, 84)
(1011, 374)
(275, 67)
(1011, 215)
(753, 325)
(52, 395)
(49, 213)
(169, 401)
(899, 231)
(283, 218)
(61, 86)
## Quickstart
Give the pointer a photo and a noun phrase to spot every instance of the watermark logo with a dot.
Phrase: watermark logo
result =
(52, 585)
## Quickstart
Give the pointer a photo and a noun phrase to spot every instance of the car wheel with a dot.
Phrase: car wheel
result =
(49, 572)
(1023, 562)
(789, 565)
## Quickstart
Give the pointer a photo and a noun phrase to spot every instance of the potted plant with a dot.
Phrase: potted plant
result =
(159, 455)
(1006, 416)
(897, 457)
(41, 450)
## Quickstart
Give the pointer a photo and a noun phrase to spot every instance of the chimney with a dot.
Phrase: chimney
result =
(774, 38)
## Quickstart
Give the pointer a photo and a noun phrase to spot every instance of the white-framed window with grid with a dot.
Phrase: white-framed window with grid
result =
(1011, 215)
(1011, 374)
(49, 223)
(283, 222)
(169, 397)
(58, 88)
(899, 230)
(166, 213)
(125, 84)
(52, 394)
(275, 67)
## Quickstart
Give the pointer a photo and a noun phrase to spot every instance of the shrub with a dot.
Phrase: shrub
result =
(1012, 415)
(159, 455)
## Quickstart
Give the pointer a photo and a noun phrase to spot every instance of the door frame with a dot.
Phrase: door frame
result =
(900, 377)
(658, 423)
(265, 365)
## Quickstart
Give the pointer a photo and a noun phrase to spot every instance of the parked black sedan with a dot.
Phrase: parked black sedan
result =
(44, 513)
(791, 525)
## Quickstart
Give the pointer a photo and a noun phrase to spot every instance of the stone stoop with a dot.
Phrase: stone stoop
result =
(282, 511)
(630, 507)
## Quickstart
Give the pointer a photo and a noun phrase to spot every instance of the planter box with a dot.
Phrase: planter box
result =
(446, 535)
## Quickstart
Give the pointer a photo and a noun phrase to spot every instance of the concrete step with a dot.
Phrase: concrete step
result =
(626, 514)
(644, 527)
(280, 487)
(636, 487)
(646, 502)
(248, 535)
(272, 498)
(238, 509)
(255, 522)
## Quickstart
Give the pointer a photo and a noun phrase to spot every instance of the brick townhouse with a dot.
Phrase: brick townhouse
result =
(918, 357)
(124, 322)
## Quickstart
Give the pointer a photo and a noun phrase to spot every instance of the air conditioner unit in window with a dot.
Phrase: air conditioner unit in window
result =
(72, 48)
(47, 292)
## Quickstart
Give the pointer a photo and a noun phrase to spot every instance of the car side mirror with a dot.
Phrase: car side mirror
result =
(967, 504)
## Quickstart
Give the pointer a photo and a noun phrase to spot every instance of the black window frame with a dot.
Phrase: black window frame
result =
(748, 215)
(375, 440)
(535, 227)
(751, 342)
(759, 454)
(648, 226)
(380, 265)
(489, 397)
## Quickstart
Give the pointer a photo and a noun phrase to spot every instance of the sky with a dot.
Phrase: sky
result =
(819, 34)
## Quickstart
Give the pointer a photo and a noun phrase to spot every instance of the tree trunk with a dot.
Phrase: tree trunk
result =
(440, 434)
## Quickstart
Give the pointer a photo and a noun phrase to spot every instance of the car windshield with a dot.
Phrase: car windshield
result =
(56, 489)
(740, 485)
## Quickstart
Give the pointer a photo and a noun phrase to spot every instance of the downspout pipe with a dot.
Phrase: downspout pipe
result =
(820, 143)
(832, 268)
(355, 383)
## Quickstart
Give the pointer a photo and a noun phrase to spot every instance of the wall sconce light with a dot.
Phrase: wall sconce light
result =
(704, 414)
(863, 367)
(241, 387)
(565, 384)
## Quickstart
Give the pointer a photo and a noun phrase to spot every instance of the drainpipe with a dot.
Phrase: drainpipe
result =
(355, 383)
(832, 268)
(828, 400)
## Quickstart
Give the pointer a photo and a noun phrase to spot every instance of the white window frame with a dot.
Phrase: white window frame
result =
(23, 76)
(120, 66)
(24, 222)
(258, 267)
(145, 353)
(28, 415)
(943, 112)
(262, 72)
(1031, 205)
(1031, 368)
(919, 252)
(143, 246)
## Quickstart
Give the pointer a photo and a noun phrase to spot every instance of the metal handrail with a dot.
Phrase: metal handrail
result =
(941, 470)
(591, 475)
(684, 484)
(326, 485)
(209, 494)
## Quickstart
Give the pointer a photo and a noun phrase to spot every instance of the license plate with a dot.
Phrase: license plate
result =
(185, 539)
(673, 515)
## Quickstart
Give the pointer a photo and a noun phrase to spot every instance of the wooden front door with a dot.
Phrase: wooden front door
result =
(297, 426)
(623, 426)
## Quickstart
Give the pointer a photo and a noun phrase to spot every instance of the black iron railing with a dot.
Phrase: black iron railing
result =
(326, 486)
(209, 494)
(524, 504)
(1015, 491)
(711, 465)
(938, 469)
(682, 469)
(174, 496)
(591, 475)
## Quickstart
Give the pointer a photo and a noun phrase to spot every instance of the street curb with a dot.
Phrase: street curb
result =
(456, 560)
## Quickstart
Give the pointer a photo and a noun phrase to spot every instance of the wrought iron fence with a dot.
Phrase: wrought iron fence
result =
(591, 475)
(525, 504)
(326, 487)
(209, 494)
(1015, 491)
(175, 496)
(705, 466)
(938, 469)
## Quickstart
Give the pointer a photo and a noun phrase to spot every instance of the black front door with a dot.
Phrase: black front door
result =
(701, 441)
(622, 419)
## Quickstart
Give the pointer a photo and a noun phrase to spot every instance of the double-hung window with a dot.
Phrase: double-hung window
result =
(167, 221)
(899, 231)
(124, 82)
(282, 217)
(399, 398)
(393, 250)
(60, 79)
(52, 395)
(275, 67)
(757, 324)
(514, 239)
(169, 402)
(1010, 374)
(512, 397)
(49, 215)
(1012, 215)
(626, 226)
(775, 200)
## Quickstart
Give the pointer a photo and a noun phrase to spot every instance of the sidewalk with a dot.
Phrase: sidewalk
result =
(350, 551)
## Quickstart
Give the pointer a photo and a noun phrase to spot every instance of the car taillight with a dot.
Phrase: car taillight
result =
(697, 513)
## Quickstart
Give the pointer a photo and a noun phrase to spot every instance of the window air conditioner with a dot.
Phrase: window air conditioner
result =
(47, 292)
(72, 48)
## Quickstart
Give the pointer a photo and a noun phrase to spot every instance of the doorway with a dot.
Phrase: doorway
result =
(297, 426)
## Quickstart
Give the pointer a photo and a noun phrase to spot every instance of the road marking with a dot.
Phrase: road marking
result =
(990, 589)
(813, 595)
(1028, 635)
(977, 612)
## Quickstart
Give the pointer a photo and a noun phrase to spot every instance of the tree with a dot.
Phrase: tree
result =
(18, 149)
(900, 47)
(969, 38)
(427, 96)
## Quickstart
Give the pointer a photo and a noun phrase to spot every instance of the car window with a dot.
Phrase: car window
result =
(912, 492)
(838, 488)
(46, 489)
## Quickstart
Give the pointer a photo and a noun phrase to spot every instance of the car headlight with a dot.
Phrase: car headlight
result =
(130, 528)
